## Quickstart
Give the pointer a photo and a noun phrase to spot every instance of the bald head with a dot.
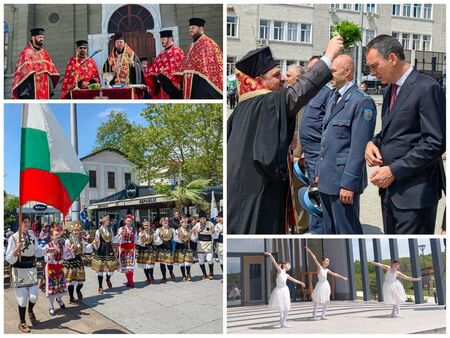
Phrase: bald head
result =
(342, 70)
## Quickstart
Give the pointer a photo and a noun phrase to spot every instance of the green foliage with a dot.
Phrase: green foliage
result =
(349, 31)
(10, 205)
(185, 196)
(179, 138)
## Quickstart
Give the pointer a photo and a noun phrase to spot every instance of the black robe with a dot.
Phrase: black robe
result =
(259, 133)
(136, 71)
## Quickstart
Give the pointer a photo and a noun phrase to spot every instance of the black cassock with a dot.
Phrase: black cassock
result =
(259, 133)
(136, 71)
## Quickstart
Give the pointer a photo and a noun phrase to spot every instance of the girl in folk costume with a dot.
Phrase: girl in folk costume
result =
(184, 256)
(104, 260)
(56, 285)
(165, 255)
(24, 276)
(281, 297)
(74, 271)
(146, 254)
(322, 290)
(393, 291)
(127, 238)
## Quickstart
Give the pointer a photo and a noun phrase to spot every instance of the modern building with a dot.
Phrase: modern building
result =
(66, 23)
(251, 276)
(296, 32)
(109, 171)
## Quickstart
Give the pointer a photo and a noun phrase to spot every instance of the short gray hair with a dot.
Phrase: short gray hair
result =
(298, 69)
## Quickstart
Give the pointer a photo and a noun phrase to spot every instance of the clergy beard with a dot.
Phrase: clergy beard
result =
(167, 48)
(37, 44)
(119, 51)
(197, 36)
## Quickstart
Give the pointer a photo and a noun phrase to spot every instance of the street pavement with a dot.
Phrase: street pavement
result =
(176, 307)
(344, 317)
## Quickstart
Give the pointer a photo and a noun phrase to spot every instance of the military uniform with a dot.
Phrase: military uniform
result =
(348, 125)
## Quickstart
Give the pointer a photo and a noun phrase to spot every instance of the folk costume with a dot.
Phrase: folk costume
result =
(184, 256)
(35, 75)
(79, 70)
(24, 277)
(202, 69)
(165, 255)
(160, 77)
(202, 235)
(127, 251)
(146, 253)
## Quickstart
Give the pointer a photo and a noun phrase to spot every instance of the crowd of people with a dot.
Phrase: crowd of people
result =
(180, 241)
(174, 74)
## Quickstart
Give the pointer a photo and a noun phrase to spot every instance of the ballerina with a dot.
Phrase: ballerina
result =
(280, 297)
(393, 290)
(322, 291)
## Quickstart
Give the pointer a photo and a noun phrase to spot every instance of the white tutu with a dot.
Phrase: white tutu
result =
(322, 290)
(393, 291)
(280, 297)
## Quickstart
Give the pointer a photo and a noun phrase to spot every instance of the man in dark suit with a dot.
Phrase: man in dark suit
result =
(412, 139)
(348, 125)
(260, 131)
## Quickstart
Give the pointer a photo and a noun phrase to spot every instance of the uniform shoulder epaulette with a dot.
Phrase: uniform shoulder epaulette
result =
(362, 92)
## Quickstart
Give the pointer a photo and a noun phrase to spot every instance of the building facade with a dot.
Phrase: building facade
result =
(296, 32)
(66, 23)
(251, 276)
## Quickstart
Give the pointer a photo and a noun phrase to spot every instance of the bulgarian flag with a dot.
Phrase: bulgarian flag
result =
(50, 171)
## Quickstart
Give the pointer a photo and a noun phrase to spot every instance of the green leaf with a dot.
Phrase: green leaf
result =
(349, 31)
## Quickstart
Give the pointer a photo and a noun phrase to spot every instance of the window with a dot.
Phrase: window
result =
(231, 65)
(407, 10)
(111, 180)
(232, 26)
(347, 7)
(357, 9)
(396, 35)
(369, 35)
(371, 8)
(405, 41)
(127, 178)
(426, 42)
(427, 11)
(416, 42)
(292, 31)
(264, 29)
(278, 30)
(279, 65)
(305, 32)
(92, 179)
(417, 11)
(396, 10)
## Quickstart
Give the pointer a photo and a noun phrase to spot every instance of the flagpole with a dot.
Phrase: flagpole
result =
(24, 110)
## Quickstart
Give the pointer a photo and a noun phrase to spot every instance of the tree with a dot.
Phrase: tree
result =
(11, 203)
(185, 196)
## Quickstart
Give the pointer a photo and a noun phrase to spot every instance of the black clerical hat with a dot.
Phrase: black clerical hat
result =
(256, 62)
(82, 43)
(119, 36)
(37, 31)
(196, 22)
(166, 34)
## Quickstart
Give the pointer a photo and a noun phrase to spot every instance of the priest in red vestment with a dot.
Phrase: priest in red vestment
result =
(202, 69)
(161, 81)
(80, 72)
(35, 76)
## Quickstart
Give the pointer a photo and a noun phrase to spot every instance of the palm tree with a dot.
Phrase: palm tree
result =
(184, 196)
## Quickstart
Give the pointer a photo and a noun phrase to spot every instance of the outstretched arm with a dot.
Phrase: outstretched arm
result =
(337, 275)
(313, 257)
(296, 281)
(273, 261)
(412, 279)
(380, 265)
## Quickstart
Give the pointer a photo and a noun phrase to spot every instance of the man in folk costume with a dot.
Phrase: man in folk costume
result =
(74, 271)
(35, 76)
(259, 133)
(24, 276)
(160, 76)
(80, 72)
(202, 69)
(127, 237)
(124, 63)
(104, 260)
(202, 235)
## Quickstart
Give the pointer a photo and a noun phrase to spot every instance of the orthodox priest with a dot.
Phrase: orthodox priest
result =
(35, 76)
(260, 130)
(124, 63)
(159, 77)
(80, 72)
(202, 69)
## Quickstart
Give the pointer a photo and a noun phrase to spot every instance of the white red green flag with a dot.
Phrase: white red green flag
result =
(50, 171)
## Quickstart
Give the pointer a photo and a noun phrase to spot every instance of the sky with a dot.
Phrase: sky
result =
(90, 116)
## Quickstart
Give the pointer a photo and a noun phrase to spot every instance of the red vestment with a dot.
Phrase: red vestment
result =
(203, 58)
(75, 73)
(37, 63)
(119, 64)
(167, 62)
